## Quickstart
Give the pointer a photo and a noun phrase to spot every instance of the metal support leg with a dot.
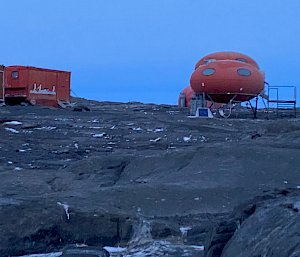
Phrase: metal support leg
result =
(255, 111)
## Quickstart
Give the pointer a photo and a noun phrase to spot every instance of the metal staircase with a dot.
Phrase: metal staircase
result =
(275, 97)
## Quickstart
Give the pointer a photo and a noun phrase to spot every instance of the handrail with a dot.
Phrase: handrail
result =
(287, 104)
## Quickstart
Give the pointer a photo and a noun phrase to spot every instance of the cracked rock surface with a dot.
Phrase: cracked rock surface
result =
(92, 176)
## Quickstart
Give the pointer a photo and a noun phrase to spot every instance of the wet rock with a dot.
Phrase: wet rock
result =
(198, 234)
(219, 237)
(84, 251)
(272, 230)
(266, 226)
(39, 227)
(102, 184)
(161, 230)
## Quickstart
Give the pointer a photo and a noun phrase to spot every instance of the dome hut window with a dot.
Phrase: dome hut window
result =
(241, 60)
(244, 72)
(208, 72)
(209, 60)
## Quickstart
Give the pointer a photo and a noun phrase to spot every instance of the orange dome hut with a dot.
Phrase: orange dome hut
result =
(219, 56)
(187, 95)
(227, 77)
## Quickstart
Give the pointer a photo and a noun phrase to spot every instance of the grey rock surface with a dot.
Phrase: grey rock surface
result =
(272, 230)
(91, 176)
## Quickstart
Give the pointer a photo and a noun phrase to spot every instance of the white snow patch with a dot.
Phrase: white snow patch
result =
(12, 130)
(198, 247)
(13, 123)
(44, 255)
(99, 135)
(17, 168)
(66, 208)
(187, 139)
(115, 249)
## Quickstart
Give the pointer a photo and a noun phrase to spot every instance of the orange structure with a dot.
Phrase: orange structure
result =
(225, 77)
(219, 56)
(36, 85)
(188, 94)
(1, 84)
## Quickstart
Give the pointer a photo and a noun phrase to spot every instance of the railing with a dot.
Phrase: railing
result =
(282, 103)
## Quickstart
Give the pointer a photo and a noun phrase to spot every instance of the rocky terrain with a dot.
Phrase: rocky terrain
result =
(150, 179)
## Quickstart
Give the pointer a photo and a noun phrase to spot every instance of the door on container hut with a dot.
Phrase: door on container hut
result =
(63, 86)
(1, 84)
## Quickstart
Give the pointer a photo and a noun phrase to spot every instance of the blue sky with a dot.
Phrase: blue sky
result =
(145, 50)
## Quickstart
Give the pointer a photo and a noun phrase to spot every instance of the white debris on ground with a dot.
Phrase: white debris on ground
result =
(95, 127)
(13, 123)
(184, 230)
(203, 139)
(99, 135)
(155, 140)
(157, 130)
(45, 128)
(187, 139)
(66, 208)
(63, 119)
(136, 129)
(93, 121)
(12, 130)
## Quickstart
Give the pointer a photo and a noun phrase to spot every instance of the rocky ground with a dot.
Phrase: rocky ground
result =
(148, 178)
